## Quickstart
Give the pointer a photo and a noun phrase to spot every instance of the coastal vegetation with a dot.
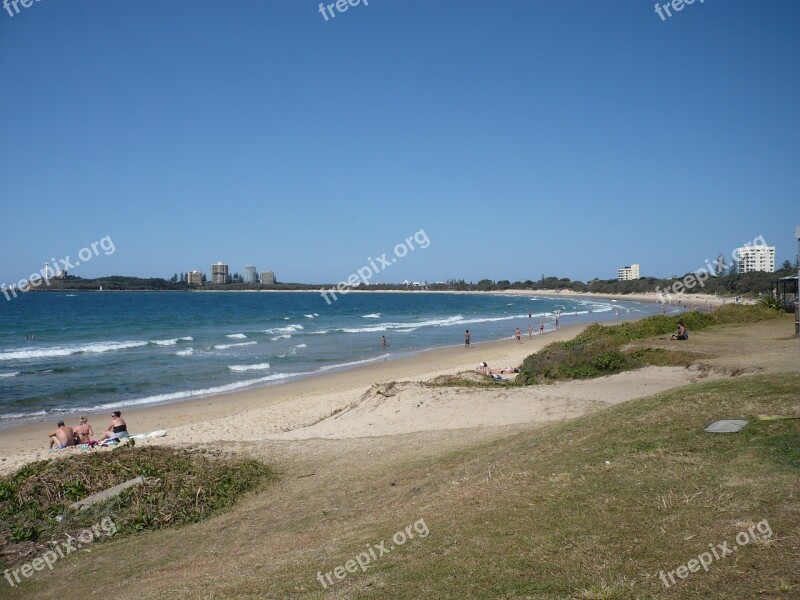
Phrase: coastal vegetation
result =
(601, 350)
(732, 284)
(181, 488)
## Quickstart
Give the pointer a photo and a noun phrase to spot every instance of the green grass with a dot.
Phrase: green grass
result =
(598, 350)
(598, 506)
(190, 487)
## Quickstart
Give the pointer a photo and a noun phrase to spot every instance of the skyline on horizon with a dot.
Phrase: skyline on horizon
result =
(526, 139)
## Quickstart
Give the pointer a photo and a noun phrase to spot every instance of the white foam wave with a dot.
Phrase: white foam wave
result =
(503, 318)
(353, 363)
(371, 316)
(236, 336)
(187, 352)
(38, 413)
(9, 374)
(320, 332)
(192, 393)
(164, 342)
(241, 368)
(55, 351)
(288, 329)
(387, 326)
(285, 336)
(226, 346)
(309, 316)
(188, 338)
(301, 346)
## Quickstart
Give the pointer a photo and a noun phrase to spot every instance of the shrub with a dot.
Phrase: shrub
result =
(186, 488)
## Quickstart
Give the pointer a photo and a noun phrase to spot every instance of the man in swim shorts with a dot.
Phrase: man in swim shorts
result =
(62, 437)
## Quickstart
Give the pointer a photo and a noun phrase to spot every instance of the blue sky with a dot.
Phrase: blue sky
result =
(525, 137)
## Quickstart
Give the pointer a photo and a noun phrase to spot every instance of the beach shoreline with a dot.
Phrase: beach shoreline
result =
(416, 366)
(7, 424)
(335, 386)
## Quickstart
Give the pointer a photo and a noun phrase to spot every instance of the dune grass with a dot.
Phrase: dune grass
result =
(599, 349)
(186, 488)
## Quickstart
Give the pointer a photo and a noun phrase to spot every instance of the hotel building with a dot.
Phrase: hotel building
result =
(267, 278)
(628, 273)
(250, 274)
(755, 258)
(219, 273)
(194, 278)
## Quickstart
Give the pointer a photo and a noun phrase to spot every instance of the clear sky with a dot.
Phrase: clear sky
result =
(525, 137)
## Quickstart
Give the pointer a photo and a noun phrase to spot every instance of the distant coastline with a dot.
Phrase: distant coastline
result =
(645, 289)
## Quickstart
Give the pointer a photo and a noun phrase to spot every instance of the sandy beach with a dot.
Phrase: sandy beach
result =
(376, 399)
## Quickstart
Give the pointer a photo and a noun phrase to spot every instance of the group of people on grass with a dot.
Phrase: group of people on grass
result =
(65, 436)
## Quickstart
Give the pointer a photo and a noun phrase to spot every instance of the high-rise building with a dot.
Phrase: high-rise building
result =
(267, 278)
(194, 278)
(250, 274)
(755, 258)
(628, 273)
(219, 273)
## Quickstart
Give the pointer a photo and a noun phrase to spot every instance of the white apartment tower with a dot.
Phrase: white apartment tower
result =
(250, 274)
(755, 258)
(628, 273)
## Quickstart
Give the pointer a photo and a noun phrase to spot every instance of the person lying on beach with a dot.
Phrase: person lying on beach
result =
(62, 437)
(484, 368)
(83, 432)
(117, 428)
(682, 334)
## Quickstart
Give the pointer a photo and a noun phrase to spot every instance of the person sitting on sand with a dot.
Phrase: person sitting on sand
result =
(83, 432)
(62, 437)
(681, 335)
(117, 429)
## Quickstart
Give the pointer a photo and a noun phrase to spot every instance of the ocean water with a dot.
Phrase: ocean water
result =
(100, 351)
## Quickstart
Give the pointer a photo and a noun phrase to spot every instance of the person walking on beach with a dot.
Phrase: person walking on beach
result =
(530, 331)
(518, 335)
(383, 341)
(541, 328)
(83, 432)
(467, 337)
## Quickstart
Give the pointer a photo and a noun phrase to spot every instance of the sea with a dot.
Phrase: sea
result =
(97, 351)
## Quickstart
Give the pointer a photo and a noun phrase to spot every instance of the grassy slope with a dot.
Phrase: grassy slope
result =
(554, 520)
(537, 514)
